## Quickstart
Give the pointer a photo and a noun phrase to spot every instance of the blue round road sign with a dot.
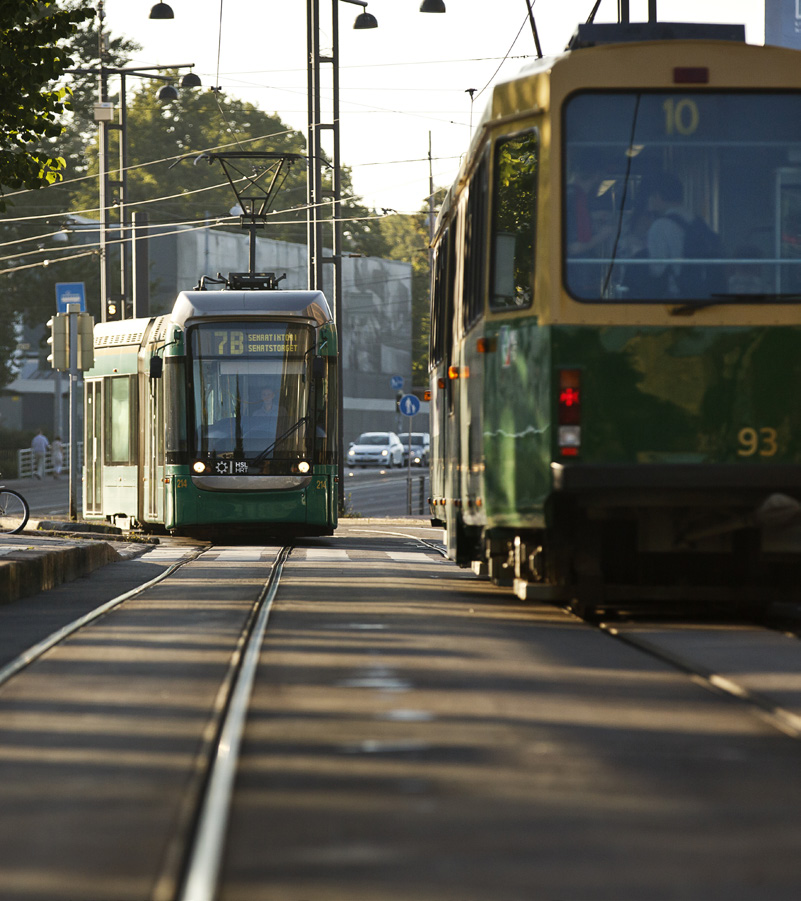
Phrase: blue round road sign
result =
(409, 405)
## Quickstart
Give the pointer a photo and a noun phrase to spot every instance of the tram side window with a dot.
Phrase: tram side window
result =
(514, 221)
(440, 296)
(120, 417)
(475, 240)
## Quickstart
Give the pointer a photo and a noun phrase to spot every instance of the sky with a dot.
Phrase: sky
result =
(401, 84)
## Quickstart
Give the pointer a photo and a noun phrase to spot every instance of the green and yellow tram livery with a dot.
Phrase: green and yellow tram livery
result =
(616, 324)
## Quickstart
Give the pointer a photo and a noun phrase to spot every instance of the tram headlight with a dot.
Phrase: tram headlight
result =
(199, 467)
(303, 467)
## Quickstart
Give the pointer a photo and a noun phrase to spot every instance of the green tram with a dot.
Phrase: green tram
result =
(615, 364)
(218, 418)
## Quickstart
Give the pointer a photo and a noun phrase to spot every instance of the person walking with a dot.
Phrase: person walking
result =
(57, 456)
(39, 446)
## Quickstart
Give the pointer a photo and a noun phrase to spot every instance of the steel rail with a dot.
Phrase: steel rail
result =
(205, 853)
(26, 658)
(769, 711)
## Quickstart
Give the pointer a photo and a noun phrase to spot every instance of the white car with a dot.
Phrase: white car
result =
(376, 449)
(420, 447)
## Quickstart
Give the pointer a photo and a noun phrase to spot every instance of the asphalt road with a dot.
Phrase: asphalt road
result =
(385, 492)
(415, 734)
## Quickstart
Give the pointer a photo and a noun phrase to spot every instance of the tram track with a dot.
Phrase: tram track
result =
(204, 850)
(189, 863)
(717, 657)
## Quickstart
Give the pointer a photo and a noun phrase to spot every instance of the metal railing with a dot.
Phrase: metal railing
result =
(26, 467)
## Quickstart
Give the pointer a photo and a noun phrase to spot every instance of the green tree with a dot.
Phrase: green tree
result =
(32, 37)
(406, 237)
(168, 175)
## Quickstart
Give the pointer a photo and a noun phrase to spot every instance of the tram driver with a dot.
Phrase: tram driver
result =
(262, 422)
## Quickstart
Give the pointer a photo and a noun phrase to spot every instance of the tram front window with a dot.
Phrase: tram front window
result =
(251, 397)
(682, 197)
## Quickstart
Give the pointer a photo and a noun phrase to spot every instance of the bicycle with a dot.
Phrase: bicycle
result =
(14, 511)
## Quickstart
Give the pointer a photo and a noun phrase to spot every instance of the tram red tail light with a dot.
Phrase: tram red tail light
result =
(569, 412)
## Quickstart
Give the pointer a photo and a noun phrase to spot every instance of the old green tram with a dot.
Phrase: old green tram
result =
(219, 418)
(616, 324)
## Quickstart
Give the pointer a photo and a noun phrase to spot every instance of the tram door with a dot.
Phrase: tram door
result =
(153, 451)
(93, 444)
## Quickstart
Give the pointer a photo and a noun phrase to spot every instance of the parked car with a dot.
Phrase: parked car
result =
(376, 449)
(420, 447)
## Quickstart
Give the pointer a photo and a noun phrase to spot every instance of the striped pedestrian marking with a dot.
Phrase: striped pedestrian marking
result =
(327, 554)
(412, 557)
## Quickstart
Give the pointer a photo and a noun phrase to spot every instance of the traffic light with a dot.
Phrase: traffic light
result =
(398, 399)
(59, 357)
(86, 341)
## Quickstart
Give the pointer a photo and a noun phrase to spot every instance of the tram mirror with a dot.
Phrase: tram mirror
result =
(318, 368)
(156, 367)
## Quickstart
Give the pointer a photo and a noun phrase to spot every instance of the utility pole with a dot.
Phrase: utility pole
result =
(430, 203)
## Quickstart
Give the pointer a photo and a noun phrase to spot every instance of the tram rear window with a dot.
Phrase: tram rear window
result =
(680, 197)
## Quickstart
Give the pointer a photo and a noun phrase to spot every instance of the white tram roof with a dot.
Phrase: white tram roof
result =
(194, 305)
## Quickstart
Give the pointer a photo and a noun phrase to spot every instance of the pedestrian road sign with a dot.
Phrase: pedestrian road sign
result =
(396, 382)
(409, 405)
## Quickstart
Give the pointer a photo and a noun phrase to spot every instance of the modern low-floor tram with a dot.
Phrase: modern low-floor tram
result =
(220, 417)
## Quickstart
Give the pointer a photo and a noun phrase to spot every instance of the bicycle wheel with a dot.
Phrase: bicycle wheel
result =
(14, 511)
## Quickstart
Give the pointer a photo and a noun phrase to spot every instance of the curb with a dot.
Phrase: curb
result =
(31, 570)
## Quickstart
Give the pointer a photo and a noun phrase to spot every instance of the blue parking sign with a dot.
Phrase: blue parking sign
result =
(70, 292)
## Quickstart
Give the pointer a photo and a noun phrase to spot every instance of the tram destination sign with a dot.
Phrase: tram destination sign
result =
(247, 342)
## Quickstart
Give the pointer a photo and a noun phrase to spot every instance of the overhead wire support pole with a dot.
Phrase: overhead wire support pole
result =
(104, 114)
(315, 194)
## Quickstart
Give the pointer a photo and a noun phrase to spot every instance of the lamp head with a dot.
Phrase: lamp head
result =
(161, 11)
(432, 6)
(190, 80)
(365, 20)
(168, 93)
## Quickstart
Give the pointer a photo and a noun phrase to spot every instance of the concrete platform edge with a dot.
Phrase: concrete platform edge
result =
(36, 570)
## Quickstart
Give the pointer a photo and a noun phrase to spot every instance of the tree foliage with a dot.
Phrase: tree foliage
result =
(406, 237)
(31, 35)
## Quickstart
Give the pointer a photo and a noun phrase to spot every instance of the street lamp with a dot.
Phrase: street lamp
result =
(314, 193)
(104, 116)
(161, 11)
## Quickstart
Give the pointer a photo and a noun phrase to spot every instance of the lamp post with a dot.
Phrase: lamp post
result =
(115, 305)
(314, 194)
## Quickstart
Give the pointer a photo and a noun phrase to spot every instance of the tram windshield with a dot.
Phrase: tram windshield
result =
(683, 197)
(251, 396)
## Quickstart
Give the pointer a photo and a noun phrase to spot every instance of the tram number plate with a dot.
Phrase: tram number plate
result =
(757, 441)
